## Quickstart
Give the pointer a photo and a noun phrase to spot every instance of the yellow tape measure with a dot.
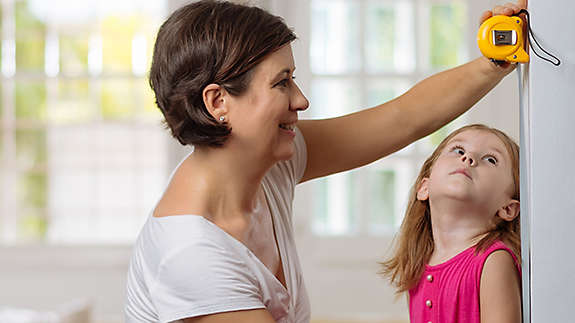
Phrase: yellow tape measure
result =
(501, 39)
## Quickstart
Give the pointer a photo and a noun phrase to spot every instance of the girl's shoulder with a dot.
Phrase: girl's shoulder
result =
(495, 246)
(499, 253)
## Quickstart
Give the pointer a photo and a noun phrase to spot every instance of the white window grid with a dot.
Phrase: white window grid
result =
(102, 175)
(345, 216)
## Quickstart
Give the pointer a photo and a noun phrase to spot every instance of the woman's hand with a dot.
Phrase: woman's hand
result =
(508, 9)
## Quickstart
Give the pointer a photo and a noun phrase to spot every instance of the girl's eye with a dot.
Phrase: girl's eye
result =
(458, 150)
(491, 159)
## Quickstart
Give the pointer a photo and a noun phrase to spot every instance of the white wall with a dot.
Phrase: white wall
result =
(550, 152)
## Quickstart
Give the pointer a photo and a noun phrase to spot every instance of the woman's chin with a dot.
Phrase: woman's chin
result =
(285, 153)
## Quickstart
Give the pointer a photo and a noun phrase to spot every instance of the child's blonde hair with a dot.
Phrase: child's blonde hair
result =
(414, 243)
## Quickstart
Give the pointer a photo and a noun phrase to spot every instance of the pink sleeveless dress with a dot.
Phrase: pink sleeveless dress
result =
(449, 292)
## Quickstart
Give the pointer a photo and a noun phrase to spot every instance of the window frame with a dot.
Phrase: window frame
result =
(412, 156)
(52, 78)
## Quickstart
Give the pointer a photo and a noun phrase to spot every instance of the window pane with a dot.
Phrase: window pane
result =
(74, 53)
(1, 118)
(335, 36)
(119, 176)
(117, 39)
(334, 97)
(146, 101)
(381, 201)
(334, 212)
(32, 205)
(114, 104)
(30, 53)
(31, 148)
(447, 34)
(380, 91)
(85, 172)
(30, 100)
(429, 143)
(390, 42)
(75, 102)
(1, 43)
(30, 39)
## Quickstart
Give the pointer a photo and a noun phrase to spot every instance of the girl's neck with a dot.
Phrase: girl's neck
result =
(456, 226)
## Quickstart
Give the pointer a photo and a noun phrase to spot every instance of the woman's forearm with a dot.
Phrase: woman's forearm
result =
(354, 140)
(442, 97)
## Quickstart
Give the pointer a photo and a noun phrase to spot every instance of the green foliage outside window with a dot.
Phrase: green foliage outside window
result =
(30, 99)
(74, 53)
(33, 199)
(31, 148)
(380, 44)
(30, 42)
(117, 33)
(447, 25)
(381, 185)
(73, 103)
(114, 99)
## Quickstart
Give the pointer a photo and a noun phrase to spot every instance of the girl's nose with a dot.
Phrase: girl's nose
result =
(468, 159)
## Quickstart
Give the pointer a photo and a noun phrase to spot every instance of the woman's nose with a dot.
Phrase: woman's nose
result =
(298, 101)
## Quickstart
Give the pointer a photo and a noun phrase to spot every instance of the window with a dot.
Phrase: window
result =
(363, 53)
(82, 150)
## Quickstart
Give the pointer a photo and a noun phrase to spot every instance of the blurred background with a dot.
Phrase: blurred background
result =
(84, 156)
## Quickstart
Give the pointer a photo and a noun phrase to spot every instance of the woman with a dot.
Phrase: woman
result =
(219, 245)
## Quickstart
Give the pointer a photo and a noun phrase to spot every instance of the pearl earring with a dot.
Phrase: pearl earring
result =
(222, 118)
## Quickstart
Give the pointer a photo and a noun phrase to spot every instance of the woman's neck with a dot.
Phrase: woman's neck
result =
(226, 182)
(456, 226)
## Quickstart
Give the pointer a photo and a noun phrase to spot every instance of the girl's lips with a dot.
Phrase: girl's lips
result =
(462, 171)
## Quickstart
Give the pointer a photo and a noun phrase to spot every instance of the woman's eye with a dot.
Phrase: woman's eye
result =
(283, 83)
(491, 160)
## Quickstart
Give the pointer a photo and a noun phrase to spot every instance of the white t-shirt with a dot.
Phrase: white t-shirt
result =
(186, 266)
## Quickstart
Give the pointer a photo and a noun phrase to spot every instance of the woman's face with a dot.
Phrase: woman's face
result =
(474, 167)
(263, 118)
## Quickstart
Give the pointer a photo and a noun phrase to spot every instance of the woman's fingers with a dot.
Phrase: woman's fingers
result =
(509, 8)
(503, 10)
(516, 8)
(485, 15)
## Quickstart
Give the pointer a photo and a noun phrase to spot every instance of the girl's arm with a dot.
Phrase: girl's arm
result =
(500, 290)
(354, 140)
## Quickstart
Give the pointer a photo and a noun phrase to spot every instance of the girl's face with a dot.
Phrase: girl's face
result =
(473, 167)
(263, 118)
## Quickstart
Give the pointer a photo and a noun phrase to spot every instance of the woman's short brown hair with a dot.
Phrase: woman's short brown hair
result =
(208, 42)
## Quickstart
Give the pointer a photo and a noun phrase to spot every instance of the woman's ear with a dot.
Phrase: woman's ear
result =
(509, 211)
(213, 96)
(423, 191)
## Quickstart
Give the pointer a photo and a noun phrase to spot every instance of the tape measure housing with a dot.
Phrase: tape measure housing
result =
(501, 38)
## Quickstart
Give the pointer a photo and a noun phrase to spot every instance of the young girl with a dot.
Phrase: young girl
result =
(458, 249)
